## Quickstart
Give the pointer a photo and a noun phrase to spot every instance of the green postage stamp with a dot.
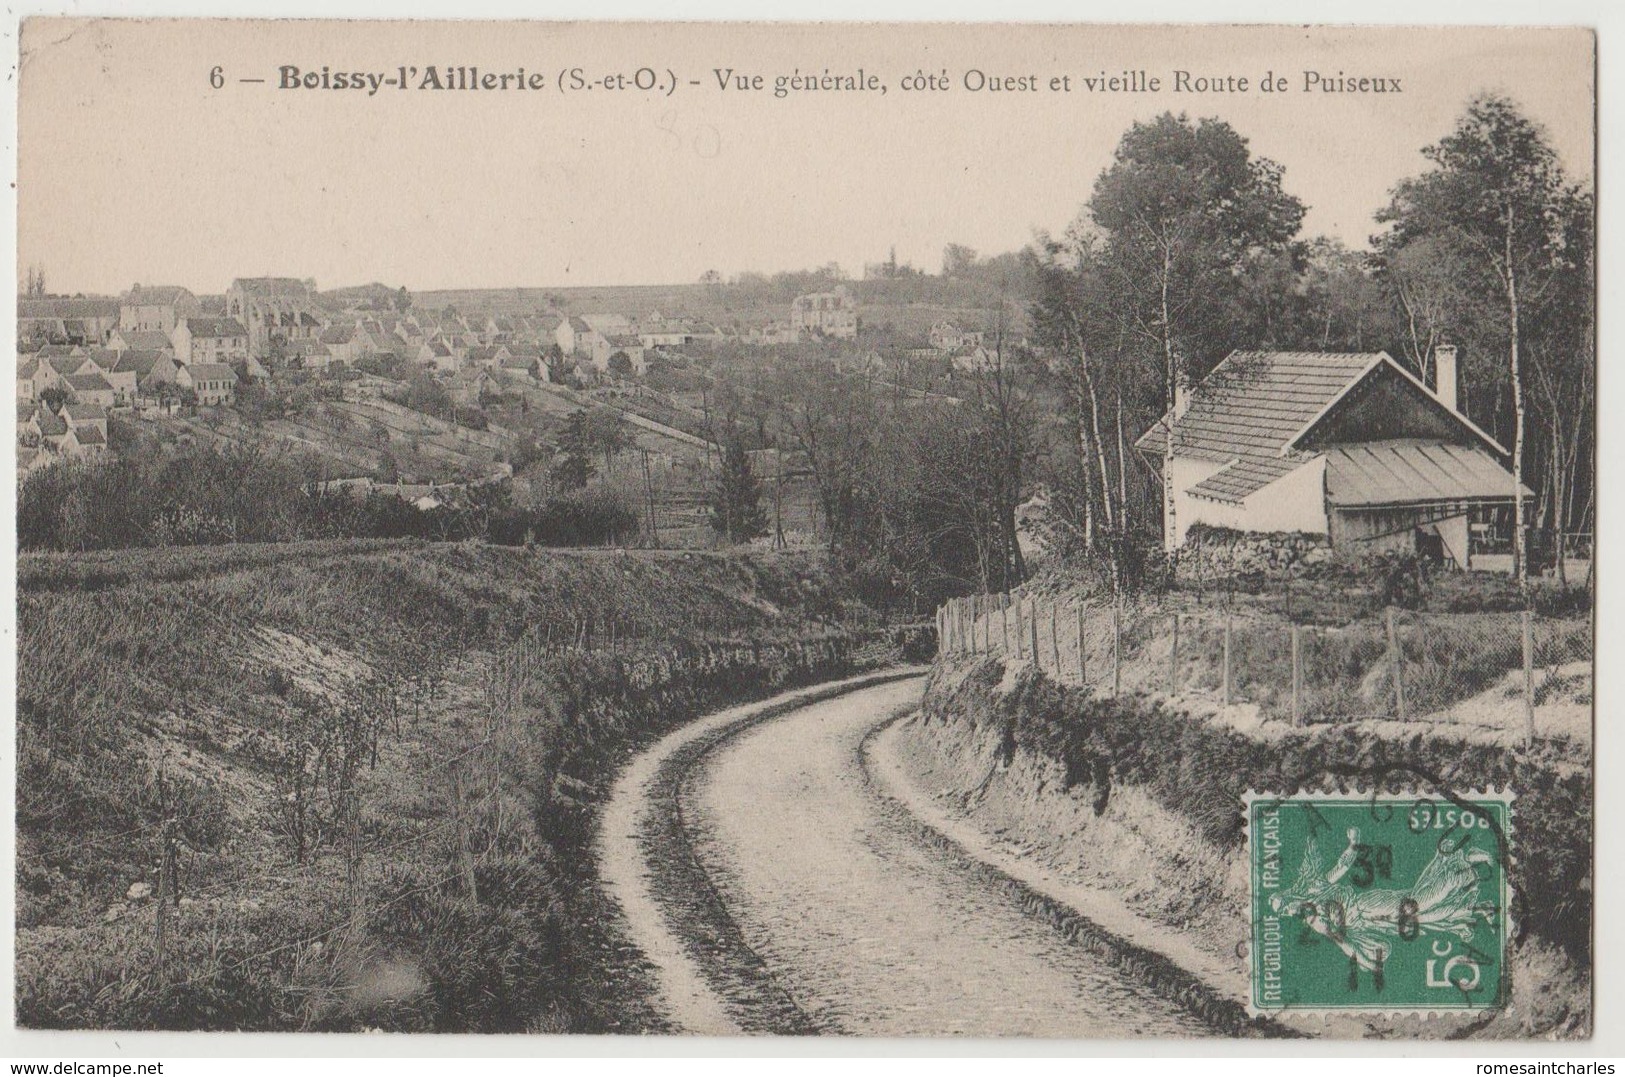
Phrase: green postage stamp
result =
(1377, 902)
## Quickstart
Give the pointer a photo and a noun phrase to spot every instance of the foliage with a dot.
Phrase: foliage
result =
(1103, 744)
(736, 503)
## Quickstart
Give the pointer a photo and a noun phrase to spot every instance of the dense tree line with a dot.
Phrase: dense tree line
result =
(200, 495)
(1189, 248)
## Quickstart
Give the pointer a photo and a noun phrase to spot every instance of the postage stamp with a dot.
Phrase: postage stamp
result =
(1393, 903)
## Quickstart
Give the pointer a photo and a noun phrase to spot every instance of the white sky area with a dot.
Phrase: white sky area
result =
(132, 168)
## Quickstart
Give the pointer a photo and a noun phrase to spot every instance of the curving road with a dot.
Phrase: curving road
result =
(869, 928)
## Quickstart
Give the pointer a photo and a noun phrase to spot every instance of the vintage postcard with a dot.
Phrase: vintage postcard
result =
(1070, 532)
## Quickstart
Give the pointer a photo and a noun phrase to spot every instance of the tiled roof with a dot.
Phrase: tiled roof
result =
(212, 372)
(50, 424)
(268, 286)
(1255, 402)
(88, 383)
(144, 339)
(155, 295)
(84, 413)
(338, 334)
(1244, 476)
(141, 362)
(215, 327)
(67, 308)
(1405, 472)
(89, 435)
(27, 371)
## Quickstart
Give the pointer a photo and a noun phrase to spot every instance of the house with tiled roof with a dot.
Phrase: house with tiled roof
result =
(27, 371)
(144, 340)
(606, 348)
(209, 340)
(43, 429)
(152, 369)
(123, 383)
(434, 353)
(156, 308)
(91, 388)
(277, 312)
(213, 383)
(1350, 446)
(80, 417)
(67, 321)
(343, 342)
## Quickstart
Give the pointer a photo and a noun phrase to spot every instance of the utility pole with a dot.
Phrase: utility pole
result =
(649, 495)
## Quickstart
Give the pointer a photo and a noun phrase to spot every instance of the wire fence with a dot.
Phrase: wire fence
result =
(1511, 671)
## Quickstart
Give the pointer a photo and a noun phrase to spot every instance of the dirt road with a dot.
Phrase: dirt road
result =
(844, 907)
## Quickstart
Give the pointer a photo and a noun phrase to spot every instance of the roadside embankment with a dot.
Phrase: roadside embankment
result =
(1130, 813)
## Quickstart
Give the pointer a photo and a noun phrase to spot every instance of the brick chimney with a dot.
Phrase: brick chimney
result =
(1444, 375)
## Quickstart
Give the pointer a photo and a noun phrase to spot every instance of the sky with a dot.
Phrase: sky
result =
(133, 167)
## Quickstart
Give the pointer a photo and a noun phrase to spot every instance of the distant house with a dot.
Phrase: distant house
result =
(91, 388)
(947, 337)
(82, 417)
(151, 369)
(344, 344)
(465, 389)
(434, 353)
(275, 311)
(67, 321)
(569, 333)
(209, 340)
(521, 370)
(213, 383)
(311, 354)
(125, 340)
(1350, 446)
(156, 308)
(627, 345)
(829, 314)
(123, 382)
(666, 333)
(27, 371)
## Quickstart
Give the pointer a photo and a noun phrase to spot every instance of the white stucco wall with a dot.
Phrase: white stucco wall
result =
(1294, 502)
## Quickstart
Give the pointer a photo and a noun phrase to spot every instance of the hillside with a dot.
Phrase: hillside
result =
(286, 741)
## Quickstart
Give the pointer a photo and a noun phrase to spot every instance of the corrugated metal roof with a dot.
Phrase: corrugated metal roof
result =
(1408, 472)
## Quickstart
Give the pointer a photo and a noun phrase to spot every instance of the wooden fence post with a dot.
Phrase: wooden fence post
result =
(1297, 675)
(1396, 661)
(1117, 646)
(1528, 632)
(1226, 682)
(1083, 673)
(1055, 636)
(1173, 659)
(1032, 627)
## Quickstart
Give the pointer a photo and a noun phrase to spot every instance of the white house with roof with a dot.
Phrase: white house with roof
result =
(830, 314)
(214, 383)
(209, 340)
(1350, 446)
(156, 308)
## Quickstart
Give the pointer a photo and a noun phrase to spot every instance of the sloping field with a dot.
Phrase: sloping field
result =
(244, 730)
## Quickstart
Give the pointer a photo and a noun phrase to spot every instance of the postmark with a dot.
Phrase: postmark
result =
(1379, 902)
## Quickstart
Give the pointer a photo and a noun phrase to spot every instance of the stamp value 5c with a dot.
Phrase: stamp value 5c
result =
(1377, 902)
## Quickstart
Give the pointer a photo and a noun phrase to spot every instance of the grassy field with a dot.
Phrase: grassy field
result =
(363, 774)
